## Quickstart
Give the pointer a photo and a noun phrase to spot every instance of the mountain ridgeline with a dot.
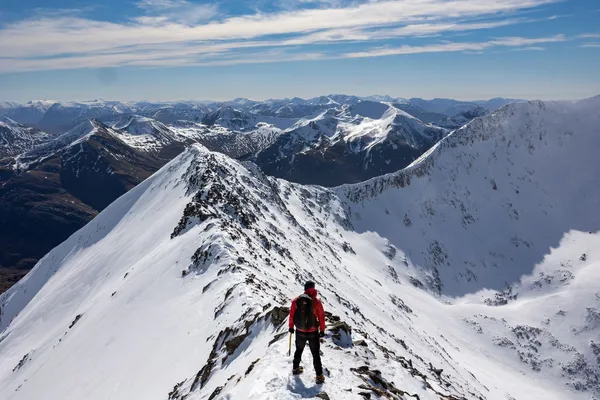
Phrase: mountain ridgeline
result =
(63, 162)
(470, 274)
(55, 188)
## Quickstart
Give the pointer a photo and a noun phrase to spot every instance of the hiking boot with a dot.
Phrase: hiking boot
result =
(320, 379)
(297, 371)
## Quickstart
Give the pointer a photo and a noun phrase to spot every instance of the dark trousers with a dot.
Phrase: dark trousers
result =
(314, 344)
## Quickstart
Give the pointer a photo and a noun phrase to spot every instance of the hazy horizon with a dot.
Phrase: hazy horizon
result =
(224, 100)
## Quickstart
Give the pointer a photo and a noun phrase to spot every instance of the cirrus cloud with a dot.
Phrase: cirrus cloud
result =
(177, 32)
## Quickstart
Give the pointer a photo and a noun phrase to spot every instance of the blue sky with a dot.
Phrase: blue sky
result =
(186, 49)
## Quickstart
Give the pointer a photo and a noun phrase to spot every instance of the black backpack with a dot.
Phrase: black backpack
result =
(304, 317)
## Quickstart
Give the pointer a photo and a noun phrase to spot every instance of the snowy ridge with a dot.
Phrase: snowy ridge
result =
(373, 131)
(349, 143)
(226, 248)
(76, 135)
(145, 133)
(50, 148)
(16, 138)
(366, 122)
(235, 144)
(489, 173)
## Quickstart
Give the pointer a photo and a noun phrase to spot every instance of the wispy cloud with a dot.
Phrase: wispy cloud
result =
(530, 48)
(178, 32)
(590, 45)
(590, 36)
(455, 46)
(181, 11)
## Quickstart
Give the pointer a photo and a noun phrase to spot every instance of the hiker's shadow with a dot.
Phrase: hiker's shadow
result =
(297, 386)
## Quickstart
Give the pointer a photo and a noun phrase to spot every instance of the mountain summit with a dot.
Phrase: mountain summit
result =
(348, 144)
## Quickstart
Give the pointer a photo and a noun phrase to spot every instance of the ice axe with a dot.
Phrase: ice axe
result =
(290, 345)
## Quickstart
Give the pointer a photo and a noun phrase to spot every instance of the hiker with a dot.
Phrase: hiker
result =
(308, 316)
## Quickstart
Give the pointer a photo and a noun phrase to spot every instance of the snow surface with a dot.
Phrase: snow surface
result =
(170, 291)
(16, 138)
(145, 133)
(74, 136)
(361, 126)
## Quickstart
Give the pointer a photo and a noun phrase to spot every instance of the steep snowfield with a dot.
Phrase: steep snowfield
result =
(174, 291)
(497, 194)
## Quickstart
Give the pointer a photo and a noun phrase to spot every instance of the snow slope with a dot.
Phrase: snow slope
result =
(243, 120)
(235, 144)
(348, 144)
(145, 133)
(72, 137)
(16, 138)
(29, 113)
(461, 119)
(175, 290)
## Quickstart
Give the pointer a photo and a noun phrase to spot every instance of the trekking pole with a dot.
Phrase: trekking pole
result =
(290, 346)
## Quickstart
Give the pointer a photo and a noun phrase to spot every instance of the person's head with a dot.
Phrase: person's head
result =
(309, 285)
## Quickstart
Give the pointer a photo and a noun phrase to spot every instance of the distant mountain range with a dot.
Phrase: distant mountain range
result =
(63, 162)
(58, 117)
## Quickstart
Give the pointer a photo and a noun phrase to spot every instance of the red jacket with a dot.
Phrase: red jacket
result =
(318, 309)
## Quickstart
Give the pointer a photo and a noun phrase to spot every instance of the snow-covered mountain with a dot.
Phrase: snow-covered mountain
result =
(79, 133)
(50, 191)
(471, 274)
(463, 118)
(451, 107)
(448, 107)
(384, 98)
(63, 116)
(171, 113)
(29, 113)
(244, 120)
(497, 102)
(16, 138)
(235, 144)
(137, 132)
(58, 117)
(145, 133)
(348, 144)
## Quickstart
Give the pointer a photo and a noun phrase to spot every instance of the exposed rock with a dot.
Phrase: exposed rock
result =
(277, 337)
(251, 367)
(175, 394)
(77, 318)
(279, 314)
(215, 393)
(342, 334)
(22, 362)
(400, 304)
